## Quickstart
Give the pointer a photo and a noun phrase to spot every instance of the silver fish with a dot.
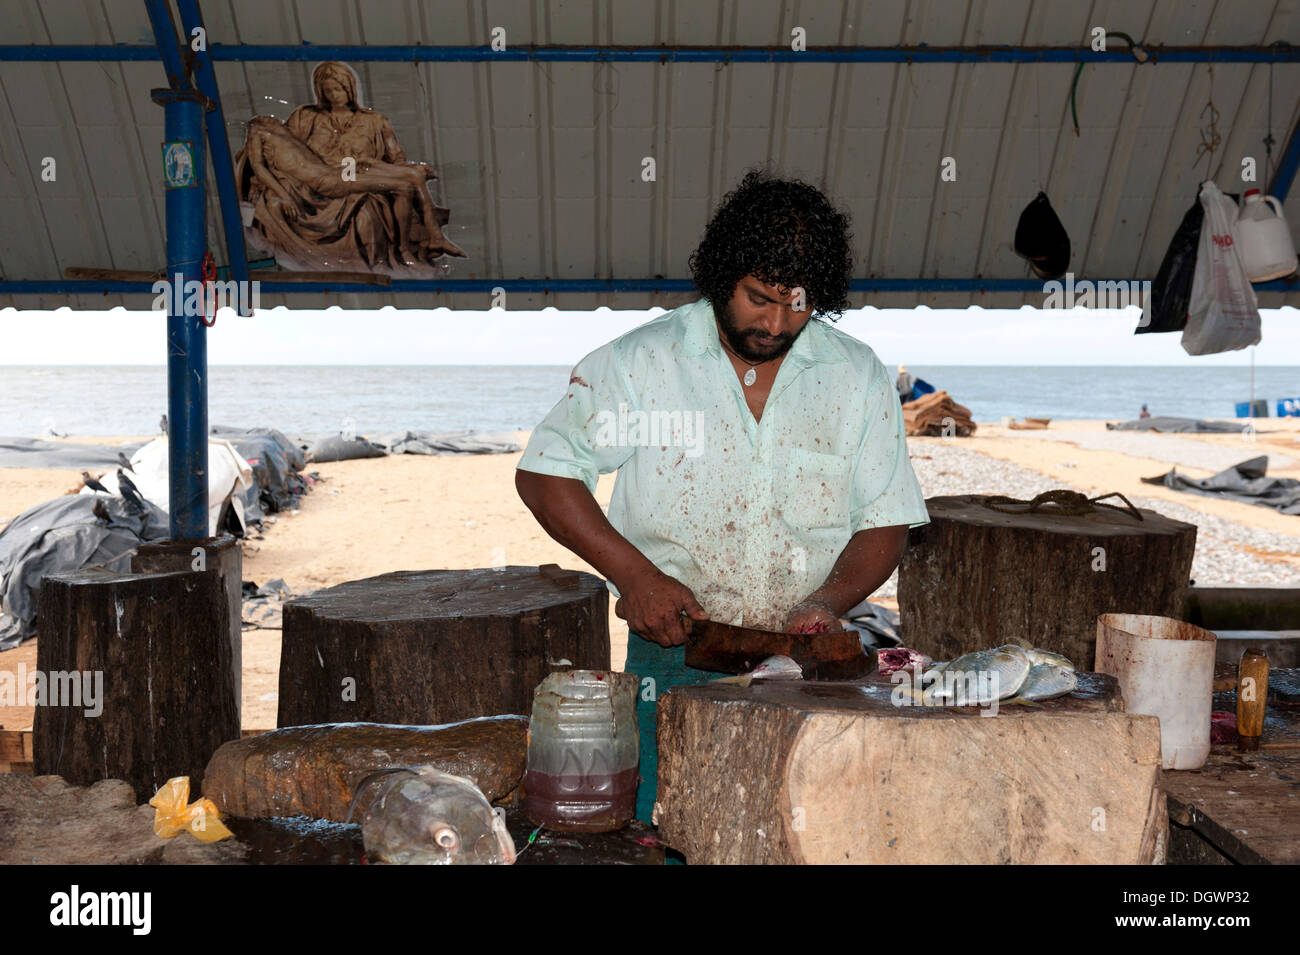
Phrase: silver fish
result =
(1038, 656)
(978, 678)
(1047, 681)
(775, 667)
(423, 816)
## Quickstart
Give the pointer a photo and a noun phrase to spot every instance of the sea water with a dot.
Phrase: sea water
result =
(303, 399)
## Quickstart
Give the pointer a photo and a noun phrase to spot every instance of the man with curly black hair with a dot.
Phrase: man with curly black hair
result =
(763, 476)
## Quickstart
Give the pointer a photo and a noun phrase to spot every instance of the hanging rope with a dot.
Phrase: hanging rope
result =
(1066, 502)
(209, 276)
(1210, 137)
(1268, 134)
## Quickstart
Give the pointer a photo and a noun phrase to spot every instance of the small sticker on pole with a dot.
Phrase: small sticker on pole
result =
(178, 164)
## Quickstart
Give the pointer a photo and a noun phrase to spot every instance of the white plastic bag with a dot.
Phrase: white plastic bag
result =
(1224, 313)
(228, 475)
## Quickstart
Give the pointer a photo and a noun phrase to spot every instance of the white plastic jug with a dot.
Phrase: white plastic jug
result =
(1263, 238)
(1165, 668)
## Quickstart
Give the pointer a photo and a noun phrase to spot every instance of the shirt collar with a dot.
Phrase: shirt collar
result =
(816, 344)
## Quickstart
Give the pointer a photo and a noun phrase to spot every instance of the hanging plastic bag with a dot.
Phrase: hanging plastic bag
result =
(1171, 292)
(1224, 313)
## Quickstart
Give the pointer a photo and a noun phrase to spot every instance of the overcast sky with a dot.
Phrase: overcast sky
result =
(335, 336)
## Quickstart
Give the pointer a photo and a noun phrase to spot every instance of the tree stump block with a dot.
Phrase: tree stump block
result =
(221, 556)
(156, 649)
(836, 773)
(316, 770)
(437, 646)
(975, 577)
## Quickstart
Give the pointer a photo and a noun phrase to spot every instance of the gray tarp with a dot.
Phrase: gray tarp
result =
(35, 453)
(449, 442)
(336, 447)
(64, 535)
(1167, 425)
(1245, 481)
(275, 461)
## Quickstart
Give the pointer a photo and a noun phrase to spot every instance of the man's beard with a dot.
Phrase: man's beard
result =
(745, 344)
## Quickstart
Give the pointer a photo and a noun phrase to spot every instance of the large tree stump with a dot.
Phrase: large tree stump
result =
(221, 556)
(975, 577)
(835, 773)
(158, 647)
(315, 770)
(437, 646)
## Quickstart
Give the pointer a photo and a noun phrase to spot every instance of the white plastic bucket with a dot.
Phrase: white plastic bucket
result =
(1165, 669)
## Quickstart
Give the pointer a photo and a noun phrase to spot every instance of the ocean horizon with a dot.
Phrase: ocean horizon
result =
(37, 400)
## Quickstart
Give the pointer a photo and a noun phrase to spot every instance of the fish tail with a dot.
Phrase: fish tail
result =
(744, 679)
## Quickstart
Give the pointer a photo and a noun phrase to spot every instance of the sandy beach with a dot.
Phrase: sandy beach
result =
(411, 512)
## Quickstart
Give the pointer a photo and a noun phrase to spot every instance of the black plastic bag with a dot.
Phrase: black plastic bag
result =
(1171, 292)
(1042, 239)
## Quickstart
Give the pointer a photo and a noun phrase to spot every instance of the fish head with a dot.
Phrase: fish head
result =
(1040, 656)
(424, 816)
(778, 667)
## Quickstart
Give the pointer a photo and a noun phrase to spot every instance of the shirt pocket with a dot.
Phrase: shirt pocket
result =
(815, 492)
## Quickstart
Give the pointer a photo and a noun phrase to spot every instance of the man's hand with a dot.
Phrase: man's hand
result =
(812, 616)
(652, 604)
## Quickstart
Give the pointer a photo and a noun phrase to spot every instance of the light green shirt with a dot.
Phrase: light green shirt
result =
(750, 515)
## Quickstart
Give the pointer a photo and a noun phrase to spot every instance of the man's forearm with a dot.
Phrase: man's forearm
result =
(568, 512)
(865, 563)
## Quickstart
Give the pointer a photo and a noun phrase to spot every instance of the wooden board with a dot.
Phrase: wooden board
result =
(835, 772)
(1246, 805)
(16, 751)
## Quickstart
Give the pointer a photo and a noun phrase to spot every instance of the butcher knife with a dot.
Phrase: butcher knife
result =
(722, 648)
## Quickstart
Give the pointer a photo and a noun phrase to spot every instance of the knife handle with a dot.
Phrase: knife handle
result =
(1252, 692)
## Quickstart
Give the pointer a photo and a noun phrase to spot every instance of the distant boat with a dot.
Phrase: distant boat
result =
(919, 387)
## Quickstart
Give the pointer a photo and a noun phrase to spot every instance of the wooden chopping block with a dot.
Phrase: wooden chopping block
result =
(436, 646)
(978, 577)
(819, 773)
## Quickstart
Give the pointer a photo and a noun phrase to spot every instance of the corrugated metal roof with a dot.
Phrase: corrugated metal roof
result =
(541, 162)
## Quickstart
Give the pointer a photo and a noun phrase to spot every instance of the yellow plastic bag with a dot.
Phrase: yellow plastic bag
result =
(174, 813)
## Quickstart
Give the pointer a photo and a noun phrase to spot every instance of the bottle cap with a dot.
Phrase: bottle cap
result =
(1251, 192)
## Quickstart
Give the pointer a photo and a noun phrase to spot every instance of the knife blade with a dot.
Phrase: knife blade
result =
(723, 648)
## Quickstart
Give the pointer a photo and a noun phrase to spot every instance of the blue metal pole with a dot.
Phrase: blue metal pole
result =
(205, 78)
(187, 350)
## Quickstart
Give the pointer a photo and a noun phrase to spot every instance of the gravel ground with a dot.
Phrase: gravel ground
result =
(1184, 452)
(943, 469)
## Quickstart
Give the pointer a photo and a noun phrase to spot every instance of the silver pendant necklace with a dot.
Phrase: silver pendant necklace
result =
(750, 376)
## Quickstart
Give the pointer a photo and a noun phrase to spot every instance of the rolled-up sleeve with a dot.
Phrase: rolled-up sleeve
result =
(885, 489)
(579, 437)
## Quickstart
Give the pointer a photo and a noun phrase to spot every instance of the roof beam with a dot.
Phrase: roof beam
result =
(1286, 167)
(543, 286)
(1275, 53)
(167, 48)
